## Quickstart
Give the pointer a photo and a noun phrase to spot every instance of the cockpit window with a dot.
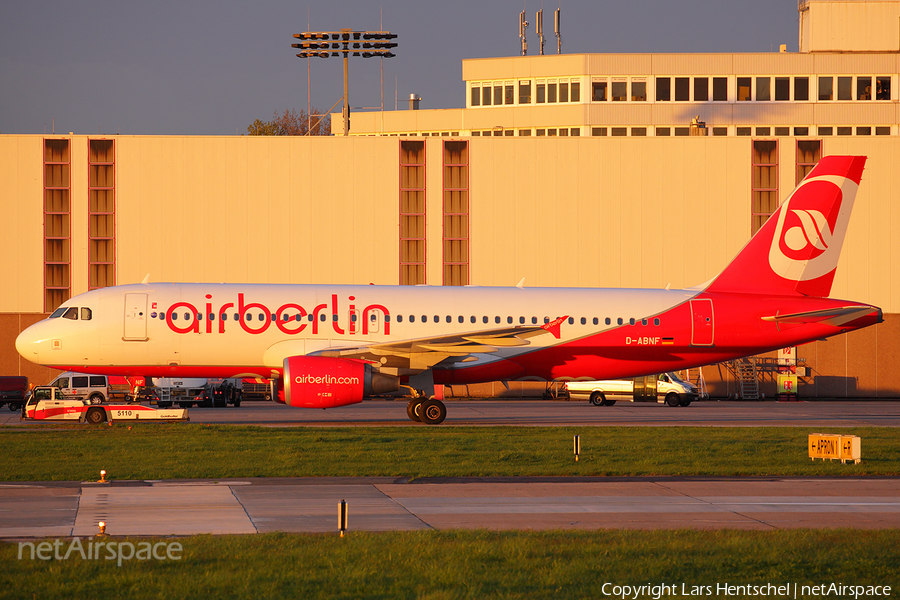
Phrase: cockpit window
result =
(58, 312)
(85, 314)
(71, 313)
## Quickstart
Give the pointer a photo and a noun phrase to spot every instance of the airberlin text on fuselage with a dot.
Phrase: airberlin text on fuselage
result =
(289, 318)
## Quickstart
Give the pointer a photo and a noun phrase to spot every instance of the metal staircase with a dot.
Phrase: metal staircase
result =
(699, 381)
(745, 370)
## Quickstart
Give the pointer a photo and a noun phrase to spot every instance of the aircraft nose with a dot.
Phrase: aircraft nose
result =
(28, 345)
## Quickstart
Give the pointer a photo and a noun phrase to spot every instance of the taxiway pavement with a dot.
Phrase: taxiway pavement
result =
(537, 413)
(241, 506)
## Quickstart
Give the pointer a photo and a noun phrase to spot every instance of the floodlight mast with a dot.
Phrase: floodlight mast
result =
(368, 44)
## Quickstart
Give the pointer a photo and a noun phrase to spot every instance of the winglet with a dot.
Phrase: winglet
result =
(553, 326)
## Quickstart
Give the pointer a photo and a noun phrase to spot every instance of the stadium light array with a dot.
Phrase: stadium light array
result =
(345, 43)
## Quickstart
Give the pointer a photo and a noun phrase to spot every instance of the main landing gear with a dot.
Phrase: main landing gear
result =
(426, 410)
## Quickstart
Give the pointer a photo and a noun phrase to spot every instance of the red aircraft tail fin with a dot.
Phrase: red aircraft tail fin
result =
(796, 251)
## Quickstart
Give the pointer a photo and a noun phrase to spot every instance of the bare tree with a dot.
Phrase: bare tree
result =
(293, 123)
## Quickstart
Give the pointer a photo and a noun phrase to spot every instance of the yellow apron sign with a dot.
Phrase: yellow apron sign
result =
(835, 447)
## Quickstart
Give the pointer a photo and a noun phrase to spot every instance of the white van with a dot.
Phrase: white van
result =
(666, 387)
(96, 389)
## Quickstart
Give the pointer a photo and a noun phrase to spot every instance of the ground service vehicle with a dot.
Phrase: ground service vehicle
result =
(95, 388)
(325, 346)
(47, 404)
(13, 390)
(666, 387)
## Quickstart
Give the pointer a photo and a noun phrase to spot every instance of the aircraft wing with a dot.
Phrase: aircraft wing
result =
(422, 353)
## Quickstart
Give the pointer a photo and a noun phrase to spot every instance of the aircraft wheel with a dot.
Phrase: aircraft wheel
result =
(95, 416)
(598, 399)
(673, 400)
(433, 412)
(412, 410)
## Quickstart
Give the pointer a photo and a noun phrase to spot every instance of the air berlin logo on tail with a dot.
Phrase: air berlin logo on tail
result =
(811, 235)
(807, 241)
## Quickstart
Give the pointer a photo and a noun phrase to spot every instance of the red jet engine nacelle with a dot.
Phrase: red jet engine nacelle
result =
(326, 382)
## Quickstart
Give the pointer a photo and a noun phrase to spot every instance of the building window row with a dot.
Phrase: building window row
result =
(742, 131)
(780, 131)
(761, 88)
(538, 131)
(524, 91)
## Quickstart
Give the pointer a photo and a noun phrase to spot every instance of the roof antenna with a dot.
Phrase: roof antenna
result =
(523, 26)
(556, 26)
(146, 279)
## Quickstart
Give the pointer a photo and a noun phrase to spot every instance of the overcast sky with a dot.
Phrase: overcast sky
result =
(213, 66)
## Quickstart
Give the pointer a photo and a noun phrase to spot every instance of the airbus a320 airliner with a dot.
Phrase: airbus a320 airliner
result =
(331, 345)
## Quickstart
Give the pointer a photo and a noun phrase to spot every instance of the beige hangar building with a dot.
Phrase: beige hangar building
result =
(572, 170)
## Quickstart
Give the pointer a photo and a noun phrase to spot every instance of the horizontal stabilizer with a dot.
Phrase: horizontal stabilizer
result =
(829, 316)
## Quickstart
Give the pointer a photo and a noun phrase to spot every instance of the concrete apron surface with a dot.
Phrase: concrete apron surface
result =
(166, 508)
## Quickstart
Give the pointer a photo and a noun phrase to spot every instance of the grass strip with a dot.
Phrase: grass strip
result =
(471, 564)
(182, 450)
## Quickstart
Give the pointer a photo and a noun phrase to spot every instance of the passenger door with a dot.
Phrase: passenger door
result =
(135, 317)
(702, 324)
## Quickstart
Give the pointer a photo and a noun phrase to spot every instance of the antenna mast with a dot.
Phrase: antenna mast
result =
(523, 25)
(539, 28)
(558, 32)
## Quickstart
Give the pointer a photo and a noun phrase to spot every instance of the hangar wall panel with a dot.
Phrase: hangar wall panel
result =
(21, 212)
(576, 211)
(11, 363)
(253, 209)
(607, 212)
